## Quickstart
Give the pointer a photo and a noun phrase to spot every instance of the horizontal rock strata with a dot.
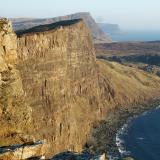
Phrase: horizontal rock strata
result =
(53, 88)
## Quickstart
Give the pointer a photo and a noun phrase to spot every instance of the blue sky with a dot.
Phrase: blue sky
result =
(129, 14)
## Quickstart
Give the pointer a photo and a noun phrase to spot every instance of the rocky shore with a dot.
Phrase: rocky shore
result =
(29, 150)
(103, 138)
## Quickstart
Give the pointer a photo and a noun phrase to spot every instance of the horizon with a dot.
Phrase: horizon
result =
(137, 15)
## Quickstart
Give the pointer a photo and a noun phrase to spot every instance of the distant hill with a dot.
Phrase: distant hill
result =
(98, 35)
(111, 29)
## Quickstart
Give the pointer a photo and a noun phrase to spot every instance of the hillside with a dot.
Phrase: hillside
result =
(59, 90)
(98, 35)
(141, 55)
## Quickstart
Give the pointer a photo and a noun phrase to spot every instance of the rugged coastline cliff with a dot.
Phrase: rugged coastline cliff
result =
(60, 77)
(61, 90)
(14, 111)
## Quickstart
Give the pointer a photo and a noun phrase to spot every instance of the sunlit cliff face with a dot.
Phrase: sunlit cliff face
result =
(54, 89)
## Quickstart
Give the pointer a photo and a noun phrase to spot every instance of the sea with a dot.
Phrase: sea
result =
(140, 137)
(136, 35)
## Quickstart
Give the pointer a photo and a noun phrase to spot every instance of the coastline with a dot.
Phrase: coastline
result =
(103, 138)
(124, 129)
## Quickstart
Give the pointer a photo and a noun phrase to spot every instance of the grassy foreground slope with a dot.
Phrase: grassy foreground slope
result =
(128, 84)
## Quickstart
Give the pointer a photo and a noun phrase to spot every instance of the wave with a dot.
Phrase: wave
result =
(123, 131)
(120, 143)
(119, 140)
(148, 112)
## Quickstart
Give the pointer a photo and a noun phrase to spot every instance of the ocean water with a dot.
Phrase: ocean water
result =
(140, 138)
(131, 35)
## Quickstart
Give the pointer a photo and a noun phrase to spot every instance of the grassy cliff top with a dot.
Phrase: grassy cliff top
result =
(47, 27)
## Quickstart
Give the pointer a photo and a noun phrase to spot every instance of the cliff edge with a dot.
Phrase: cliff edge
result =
(97, 34)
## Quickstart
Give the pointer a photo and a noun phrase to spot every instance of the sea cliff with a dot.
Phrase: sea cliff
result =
(59, 91)
(15, 113)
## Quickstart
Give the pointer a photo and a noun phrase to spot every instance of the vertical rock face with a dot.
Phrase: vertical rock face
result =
(54, 71)
(8, 44)
(60, 79)
(11, 91)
